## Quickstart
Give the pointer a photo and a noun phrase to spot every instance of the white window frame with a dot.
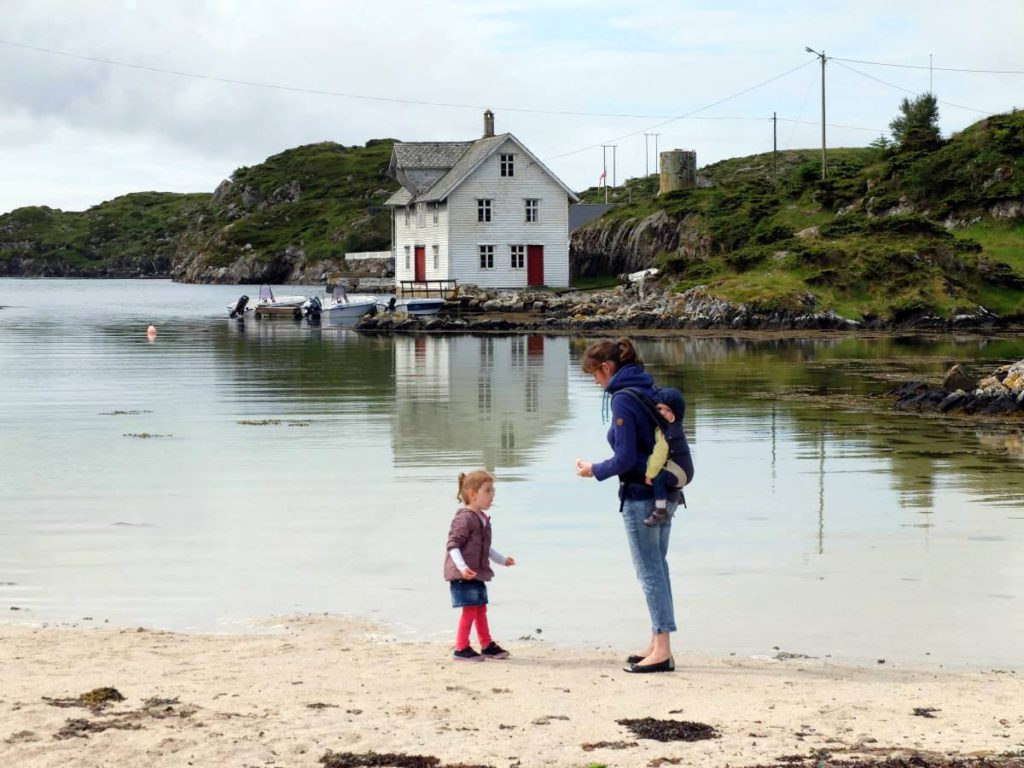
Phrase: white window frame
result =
(507, 162)
(532, 208)
(433, 212)
(407, 215)
(421, 215)
(486, 256)
(408, 251)
(483, 210)
(436, 250)
(517, 256)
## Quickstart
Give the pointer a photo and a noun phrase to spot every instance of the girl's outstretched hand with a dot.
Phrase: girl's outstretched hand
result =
(469, 573)
(584, 468)
(510, 561)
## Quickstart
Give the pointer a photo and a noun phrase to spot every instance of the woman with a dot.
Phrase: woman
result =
(616, 366)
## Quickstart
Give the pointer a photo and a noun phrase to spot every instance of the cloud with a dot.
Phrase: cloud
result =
(75, 132)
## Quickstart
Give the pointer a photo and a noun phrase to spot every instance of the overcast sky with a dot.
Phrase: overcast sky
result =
(75, 132)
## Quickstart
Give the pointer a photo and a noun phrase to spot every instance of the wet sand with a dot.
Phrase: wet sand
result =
(321, 684)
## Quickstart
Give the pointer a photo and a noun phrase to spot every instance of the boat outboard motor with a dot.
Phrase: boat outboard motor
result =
(313, 308)
(239, 309)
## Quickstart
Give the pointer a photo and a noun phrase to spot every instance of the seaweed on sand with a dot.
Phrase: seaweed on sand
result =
(669, 730)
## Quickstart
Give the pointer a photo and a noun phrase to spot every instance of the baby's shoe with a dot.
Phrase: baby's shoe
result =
(656, 517)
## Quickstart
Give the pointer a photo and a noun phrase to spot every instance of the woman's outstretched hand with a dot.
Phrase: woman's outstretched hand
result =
(584, 468)
(510, 561)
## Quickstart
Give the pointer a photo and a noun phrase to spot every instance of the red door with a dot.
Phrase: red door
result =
(421, 263)
(535, 265)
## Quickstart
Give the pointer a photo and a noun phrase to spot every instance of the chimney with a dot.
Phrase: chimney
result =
(488, 124)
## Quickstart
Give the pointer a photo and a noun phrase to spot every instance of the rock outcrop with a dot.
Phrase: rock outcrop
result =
(1001, 392)
(631, 245)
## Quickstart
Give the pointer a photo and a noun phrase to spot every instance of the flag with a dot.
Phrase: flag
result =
(602, 178)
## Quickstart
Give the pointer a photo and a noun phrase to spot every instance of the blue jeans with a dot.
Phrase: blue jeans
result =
(649, 547)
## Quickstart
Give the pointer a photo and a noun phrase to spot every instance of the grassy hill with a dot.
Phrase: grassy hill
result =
(297, 211)
(136, 234)
(888, 234)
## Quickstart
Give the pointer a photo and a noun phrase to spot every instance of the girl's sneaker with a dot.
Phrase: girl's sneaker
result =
(467, 654)
(494, 651)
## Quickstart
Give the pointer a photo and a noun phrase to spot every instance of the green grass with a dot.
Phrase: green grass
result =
(594, 283)
(1003, 242)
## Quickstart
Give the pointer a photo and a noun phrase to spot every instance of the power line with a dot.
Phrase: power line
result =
(939, 69)
(686, 115)
(339, 94)
(907, 90)
(800, 114)
(320, 91)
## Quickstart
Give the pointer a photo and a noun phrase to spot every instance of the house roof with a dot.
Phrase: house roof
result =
(429, 154)
(416, 165)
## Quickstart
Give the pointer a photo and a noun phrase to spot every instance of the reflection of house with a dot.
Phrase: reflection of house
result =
(468, 401)
(486, 212)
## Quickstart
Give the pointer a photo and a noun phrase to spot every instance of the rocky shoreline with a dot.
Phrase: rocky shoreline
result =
(638, 306)
(1000, 393)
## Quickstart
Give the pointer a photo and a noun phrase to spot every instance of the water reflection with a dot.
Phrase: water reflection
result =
(477, 401)
(828, 391)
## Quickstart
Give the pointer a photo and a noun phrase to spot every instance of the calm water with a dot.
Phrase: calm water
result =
(816, 527)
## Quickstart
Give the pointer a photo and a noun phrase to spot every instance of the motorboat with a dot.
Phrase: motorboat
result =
(268, 303)
(411, 305)
(340, 308)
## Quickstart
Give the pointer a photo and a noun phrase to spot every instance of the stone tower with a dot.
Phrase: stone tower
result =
(678, 170)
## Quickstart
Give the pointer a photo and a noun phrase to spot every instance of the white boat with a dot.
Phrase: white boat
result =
(340, 308)
(415, 307)
(266, 300)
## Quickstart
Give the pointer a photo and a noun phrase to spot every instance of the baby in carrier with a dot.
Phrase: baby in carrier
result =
(670, 465)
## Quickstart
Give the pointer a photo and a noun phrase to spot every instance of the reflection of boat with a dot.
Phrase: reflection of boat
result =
(411, 306)
(339, 308)
(267, 304)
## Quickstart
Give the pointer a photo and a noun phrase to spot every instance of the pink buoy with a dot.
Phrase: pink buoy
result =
(151, 331)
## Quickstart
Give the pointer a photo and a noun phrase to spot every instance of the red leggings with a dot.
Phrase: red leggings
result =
(473, 614)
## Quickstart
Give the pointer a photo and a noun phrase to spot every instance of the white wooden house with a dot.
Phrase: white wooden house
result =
(486, 212)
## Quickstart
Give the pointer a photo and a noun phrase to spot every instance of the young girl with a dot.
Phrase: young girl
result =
(467, 565)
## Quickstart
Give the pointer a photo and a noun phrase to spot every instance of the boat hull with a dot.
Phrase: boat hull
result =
(346, 313)
(413, 306)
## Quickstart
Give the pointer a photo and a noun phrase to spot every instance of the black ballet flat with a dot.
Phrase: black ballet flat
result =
(668, 665)
(634, 659)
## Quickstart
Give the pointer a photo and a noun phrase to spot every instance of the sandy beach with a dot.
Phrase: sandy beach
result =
(323, 684)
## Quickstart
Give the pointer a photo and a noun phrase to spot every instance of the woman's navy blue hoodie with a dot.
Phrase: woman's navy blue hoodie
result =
(631, 434)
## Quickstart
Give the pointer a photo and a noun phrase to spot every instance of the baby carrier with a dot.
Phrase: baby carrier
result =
(679, 449)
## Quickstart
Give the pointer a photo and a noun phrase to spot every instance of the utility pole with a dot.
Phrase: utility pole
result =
(614, 146)
(931, 87)
(775, 145)
(657, 157)
(647, 159)
(824, 162)
(604, 169)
